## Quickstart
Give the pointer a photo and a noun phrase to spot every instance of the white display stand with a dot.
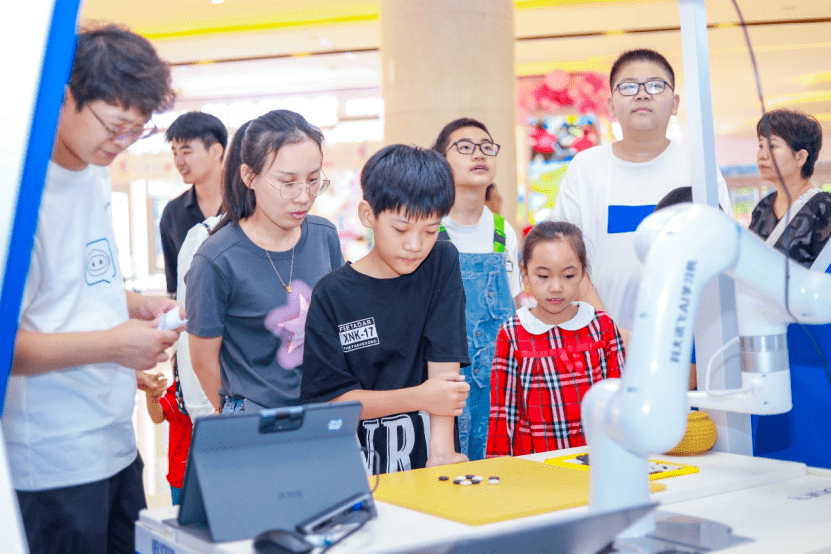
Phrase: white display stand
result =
(36, 42)
(780, 505)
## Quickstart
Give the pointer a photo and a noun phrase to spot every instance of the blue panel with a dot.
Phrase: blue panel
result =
(57, 63)
(804, 433)
(625, 219)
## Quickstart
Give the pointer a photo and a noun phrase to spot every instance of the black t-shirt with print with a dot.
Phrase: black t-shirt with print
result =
(378, 334)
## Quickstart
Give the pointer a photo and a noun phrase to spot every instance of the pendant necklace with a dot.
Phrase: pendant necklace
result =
(291, 269)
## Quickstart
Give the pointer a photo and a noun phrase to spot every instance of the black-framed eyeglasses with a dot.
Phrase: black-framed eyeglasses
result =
(468, 147)
(122, 135)
(295, 188)
(655, 86)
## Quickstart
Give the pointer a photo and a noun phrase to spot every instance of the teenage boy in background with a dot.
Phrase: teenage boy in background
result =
(488, 257)
(609, 189)
(68, 416)
(198, 142)
(389, 329)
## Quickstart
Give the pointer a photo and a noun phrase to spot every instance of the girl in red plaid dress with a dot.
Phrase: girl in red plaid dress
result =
(548, 356)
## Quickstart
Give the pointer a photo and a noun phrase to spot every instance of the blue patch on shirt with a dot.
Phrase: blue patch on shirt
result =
(625, 219)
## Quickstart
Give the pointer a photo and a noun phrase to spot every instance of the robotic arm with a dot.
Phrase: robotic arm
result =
(683, 247)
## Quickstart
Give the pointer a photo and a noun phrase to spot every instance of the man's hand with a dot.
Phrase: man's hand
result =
(149, 308)
(438, 459)
(139, 344)
(154, 384)
(445, 394)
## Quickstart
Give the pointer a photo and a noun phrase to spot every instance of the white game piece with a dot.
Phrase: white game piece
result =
(171, 320)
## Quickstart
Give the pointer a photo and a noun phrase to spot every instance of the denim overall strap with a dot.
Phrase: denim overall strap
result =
(488, 305)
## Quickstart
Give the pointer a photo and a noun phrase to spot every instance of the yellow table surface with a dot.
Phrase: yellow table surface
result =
(526, 488)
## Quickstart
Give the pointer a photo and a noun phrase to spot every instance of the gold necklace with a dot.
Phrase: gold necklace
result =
(291, 270)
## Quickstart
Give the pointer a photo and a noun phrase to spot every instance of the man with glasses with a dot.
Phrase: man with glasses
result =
(609, 189)
(82, 337)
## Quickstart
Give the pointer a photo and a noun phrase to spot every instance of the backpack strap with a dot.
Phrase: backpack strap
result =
(443, 234)
(498, 233)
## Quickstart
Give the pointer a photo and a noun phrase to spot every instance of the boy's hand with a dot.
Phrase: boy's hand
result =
(153, 384)
(445, 394)
(444, 459)
(139, 345)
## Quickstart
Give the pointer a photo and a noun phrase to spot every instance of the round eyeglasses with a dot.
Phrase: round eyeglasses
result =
(629, 88)
(294, 189)
(119, 134)
(468, 147)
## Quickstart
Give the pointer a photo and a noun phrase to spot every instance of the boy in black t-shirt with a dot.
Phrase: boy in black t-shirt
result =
(389, 330)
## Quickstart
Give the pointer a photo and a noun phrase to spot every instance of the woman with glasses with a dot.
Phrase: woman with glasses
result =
(490, 269)
(250, 282)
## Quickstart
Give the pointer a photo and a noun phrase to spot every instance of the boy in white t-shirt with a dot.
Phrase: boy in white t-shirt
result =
(609, 189)
(69, 404)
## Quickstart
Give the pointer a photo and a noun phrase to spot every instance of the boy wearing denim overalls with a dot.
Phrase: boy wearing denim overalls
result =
(488, 258)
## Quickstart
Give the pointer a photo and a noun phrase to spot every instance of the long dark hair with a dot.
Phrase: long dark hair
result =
(252, 145)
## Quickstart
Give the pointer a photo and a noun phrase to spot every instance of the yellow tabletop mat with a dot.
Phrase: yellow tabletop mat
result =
(525, 488)
(658, 469)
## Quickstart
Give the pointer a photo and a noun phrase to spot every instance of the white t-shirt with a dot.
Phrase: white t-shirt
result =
(72, 426)
(196, 402)
(607, 198)
(478, 239)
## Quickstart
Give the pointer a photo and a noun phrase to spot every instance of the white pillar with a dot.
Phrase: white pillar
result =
(446, 59)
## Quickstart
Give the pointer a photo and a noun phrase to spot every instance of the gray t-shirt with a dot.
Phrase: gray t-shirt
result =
(234, 292)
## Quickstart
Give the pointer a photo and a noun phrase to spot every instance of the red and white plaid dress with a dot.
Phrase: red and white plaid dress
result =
(538, 382)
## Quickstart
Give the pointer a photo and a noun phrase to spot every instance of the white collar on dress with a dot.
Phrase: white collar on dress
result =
(585, 313)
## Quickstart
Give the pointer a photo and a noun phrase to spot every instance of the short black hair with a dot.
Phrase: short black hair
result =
(489, 190)
(443, 140)
(121, 68)
(680, 195)
(198, 125)
(416, 179)
(640, 55)
(800, 130)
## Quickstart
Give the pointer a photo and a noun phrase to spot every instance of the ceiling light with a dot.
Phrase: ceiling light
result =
(217, 1)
